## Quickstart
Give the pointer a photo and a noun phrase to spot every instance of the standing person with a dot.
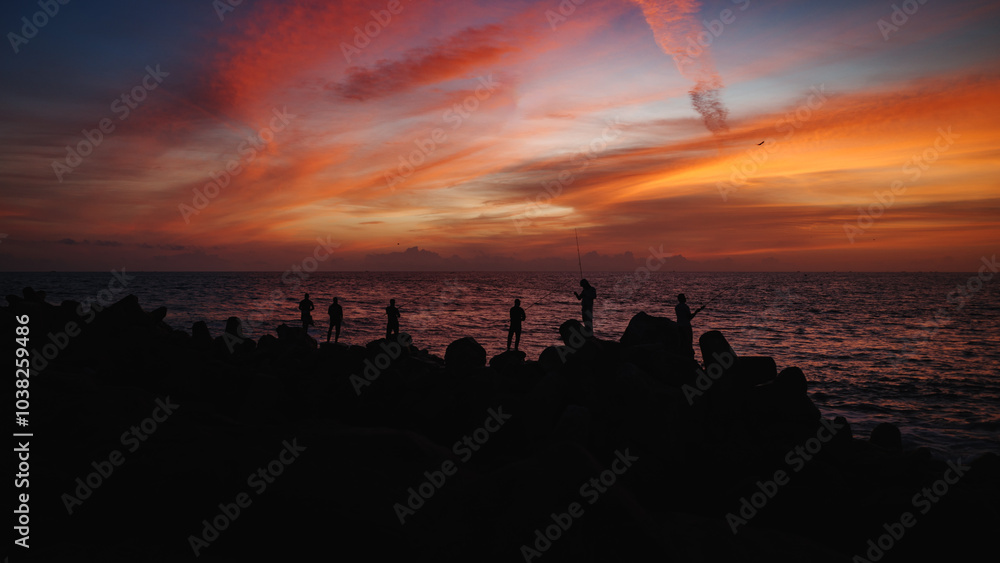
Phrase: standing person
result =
(586, 298)
(336, 317)
(684, 316)
(392, 326)
(516, 316)
(306, 306)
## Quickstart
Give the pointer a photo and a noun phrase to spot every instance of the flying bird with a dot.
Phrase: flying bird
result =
(761, 143)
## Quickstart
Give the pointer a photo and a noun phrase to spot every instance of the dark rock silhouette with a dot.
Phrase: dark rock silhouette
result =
(887, 435)
(647, 329)
(465, 354)
(567, 418)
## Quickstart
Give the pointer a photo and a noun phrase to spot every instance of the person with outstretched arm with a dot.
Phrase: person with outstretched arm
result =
(587, 297)
(684, 316)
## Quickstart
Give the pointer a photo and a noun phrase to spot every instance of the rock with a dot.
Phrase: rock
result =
(200, 332)
(509, 363)
(233, 341)
(576, 418)
(647, 329)
(464, 354)
(157, 315)
(201, 338)
(395, 347)
(715, 348)
(748, 371)
(658, 362)
(887, 435)
(267, 342)
(846, 433)
(792, 379)
(125, 313)
(234, 327)
(293, 337)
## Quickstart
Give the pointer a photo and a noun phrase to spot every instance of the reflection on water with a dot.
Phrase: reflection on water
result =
(847, 331)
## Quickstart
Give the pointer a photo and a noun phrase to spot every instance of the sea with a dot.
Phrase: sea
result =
(919, 350)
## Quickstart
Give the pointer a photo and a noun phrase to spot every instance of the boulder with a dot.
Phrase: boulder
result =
(715, 348)
(647, 329)
(508, 363)
(887, 435)
(464, 354)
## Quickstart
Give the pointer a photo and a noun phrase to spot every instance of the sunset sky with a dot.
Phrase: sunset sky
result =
(428, 141)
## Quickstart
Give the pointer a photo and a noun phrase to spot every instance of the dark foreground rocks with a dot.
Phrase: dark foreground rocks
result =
(158, 444)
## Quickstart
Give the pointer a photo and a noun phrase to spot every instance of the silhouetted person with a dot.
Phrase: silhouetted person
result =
(392, 326)
(586, 298)
(516, 316)
(684, 316)
(306, 306)
(336, 317)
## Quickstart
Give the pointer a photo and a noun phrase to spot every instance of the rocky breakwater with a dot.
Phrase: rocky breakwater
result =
(598, 450)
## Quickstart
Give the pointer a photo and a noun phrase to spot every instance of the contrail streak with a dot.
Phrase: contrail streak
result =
(673, 22)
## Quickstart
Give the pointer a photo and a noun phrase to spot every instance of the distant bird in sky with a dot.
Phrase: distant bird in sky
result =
(761, 143)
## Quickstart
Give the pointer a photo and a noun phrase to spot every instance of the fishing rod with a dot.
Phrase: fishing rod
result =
(578, 258)
(714, 297)
(540, 299)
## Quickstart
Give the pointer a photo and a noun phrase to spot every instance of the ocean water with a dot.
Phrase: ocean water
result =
(920, 350)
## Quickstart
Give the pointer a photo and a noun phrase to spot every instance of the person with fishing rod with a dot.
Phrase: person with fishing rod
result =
(684, 316)
(516, 316)
(587, 297)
